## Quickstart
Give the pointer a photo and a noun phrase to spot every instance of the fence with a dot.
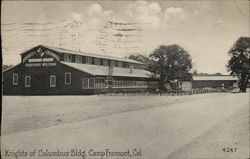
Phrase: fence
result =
(156, 92)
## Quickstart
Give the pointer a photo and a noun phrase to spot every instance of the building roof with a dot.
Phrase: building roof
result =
(61, 50)
(215, 78)
(11, 67)
(103, 70)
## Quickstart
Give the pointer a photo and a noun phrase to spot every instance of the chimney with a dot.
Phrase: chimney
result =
(110, 71)
(131, 69)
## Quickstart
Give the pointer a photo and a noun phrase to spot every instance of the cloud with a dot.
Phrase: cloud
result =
(76, 16)
(217, 22)
(154, 7)
(174, 13)
(96, 9)
(145, 12)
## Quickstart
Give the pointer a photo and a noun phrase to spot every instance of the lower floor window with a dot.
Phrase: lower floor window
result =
(88, 83)
(100, 82)
(15, 79)
(52, 81)
(27, 81)
(91, 82)
(130, 84)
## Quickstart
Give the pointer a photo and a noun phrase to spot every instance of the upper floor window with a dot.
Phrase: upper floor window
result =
(15, 79)
(120, 64)
(97, 61)
(78, 59)
(105, 62)
(112, 63)
(52, 81)
(126, 65)
(27, 81)
(88, 60)
(67, 57)
(67, 78)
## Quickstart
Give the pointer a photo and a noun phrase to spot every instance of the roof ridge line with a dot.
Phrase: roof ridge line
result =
(121, 58)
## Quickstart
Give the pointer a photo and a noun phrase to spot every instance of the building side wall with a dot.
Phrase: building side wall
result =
(213, 84)
(41, 65)
(40, 81)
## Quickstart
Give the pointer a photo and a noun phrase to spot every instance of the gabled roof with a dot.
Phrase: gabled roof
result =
(215, 78)
(103, 70)
(61, 50)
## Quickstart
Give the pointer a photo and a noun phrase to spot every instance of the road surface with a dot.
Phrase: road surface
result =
(159, 127)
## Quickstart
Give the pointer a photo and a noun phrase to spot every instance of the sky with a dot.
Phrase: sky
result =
(207, 29)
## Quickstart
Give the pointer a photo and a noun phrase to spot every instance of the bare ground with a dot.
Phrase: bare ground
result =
(196, 126)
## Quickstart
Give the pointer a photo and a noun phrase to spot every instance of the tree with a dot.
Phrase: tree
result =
(239, 63)
(171, 62)
(141, 58)
(195, 72)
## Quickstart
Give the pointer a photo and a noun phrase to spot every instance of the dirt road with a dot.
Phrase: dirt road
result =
(161, 127)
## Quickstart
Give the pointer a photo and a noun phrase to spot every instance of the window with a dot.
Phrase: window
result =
(88, 60)
(88, 83)
(97, 61)
(100, 82)
(52, 81)
(91, 82)
(109, 81)
(112, 63)
(126, 65)
(15, 79)
(67, 78)
(105, 62)
(85, 83)
(78, 59)
(67, 57)
(115, 83)
(27, 81)
(120, 64)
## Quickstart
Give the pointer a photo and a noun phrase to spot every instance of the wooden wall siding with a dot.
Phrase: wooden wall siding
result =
(40, 75)
(212, 84)
(40, 81)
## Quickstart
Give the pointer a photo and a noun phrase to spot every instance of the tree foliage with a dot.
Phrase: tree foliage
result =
(170, 63)
(239, 63)
(140, 58)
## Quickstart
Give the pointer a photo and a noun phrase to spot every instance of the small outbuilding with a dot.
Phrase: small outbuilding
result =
(218, 81)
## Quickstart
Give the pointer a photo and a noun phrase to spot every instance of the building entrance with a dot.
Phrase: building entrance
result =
(40, 83)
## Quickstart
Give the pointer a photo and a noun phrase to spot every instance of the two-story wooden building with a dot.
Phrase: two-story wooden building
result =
(46, 70)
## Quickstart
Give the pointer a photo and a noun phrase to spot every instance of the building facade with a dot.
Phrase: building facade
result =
(208, 81)
(46, 70)
(219, 81)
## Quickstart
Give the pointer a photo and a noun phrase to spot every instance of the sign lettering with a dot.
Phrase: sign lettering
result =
(39, 64)
(44, 59)
(41, 59)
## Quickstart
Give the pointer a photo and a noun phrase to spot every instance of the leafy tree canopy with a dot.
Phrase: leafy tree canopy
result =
(239, 63)
(171, 62)
(140, 58)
